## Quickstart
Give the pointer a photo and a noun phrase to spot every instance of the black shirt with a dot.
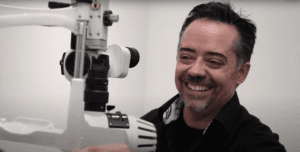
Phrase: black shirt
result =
(232, 130)
(187, 135)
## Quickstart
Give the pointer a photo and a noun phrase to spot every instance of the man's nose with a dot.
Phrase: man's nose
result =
(198, 69)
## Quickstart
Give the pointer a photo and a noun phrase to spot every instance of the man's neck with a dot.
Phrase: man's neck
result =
(197, 120)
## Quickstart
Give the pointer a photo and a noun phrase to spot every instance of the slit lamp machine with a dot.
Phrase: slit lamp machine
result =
(87, 65)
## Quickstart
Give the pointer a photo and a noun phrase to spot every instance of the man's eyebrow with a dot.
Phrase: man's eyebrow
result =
(187, 49)
(216, 54)
(212, 53)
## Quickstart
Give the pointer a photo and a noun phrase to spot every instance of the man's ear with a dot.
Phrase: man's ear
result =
(242, 73)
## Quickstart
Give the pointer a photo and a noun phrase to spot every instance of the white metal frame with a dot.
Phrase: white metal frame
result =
(84, 128)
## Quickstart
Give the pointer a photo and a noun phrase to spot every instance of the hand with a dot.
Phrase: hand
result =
(107, 148)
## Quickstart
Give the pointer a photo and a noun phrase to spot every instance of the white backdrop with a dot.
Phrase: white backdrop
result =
(31, 84)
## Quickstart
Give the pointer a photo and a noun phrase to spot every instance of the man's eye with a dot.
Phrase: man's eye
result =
(215, 62)
(184, 57)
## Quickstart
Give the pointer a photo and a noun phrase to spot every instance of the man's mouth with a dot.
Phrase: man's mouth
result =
(199, 87)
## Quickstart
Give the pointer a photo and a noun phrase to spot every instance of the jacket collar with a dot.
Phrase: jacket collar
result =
(229, 113)
(170, 111)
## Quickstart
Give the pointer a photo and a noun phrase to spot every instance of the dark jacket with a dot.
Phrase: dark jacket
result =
(232, 130)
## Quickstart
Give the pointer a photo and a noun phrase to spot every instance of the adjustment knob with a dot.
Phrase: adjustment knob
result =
(113, 18)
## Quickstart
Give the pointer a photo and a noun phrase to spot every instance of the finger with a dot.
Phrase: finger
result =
(107, 148)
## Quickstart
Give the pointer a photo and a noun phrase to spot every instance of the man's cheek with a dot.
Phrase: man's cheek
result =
(178, 85)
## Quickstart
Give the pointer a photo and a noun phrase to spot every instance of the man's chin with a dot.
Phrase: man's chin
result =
(196, 105)
(195, 98)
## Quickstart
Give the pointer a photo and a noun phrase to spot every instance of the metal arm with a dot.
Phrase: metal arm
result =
(78, 73)
(65, 17)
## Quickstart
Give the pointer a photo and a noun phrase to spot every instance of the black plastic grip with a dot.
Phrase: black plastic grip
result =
(85, 1)
(54, 5)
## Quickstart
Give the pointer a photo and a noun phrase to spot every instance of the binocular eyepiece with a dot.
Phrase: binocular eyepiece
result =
(96, 71)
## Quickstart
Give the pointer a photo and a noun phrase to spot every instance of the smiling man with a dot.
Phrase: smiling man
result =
(206, 75)
(213, 59)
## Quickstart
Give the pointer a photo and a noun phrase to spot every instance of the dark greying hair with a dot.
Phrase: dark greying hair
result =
(219, 12)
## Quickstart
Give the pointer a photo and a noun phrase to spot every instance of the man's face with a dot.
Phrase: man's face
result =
(206, 74)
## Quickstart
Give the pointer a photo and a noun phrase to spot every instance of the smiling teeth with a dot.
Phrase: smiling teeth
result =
(201, 88)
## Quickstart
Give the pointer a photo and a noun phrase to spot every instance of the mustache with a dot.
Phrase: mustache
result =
(198, 80)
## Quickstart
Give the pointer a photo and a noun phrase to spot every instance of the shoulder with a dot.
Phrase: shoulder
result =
(253, 135)
(155, 115)
(151, 116)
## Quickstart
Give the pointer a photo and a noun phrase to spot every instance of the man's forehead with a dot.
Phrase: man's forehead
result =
(210, 25)
(209, 36)
(204, 47)
(212, 28)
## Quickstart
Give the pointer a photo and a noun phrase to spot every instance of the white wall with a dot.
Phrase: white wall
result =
(32, 86)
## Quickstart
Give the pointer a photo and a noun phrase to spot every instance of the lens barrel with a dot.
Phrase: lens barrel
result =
(96, 94)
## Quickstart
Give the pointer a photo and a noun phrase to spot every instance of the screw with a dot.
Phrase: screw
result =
(91, 16)
(90, 34)
(79, 16)
(99, 16)
(98, 34)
